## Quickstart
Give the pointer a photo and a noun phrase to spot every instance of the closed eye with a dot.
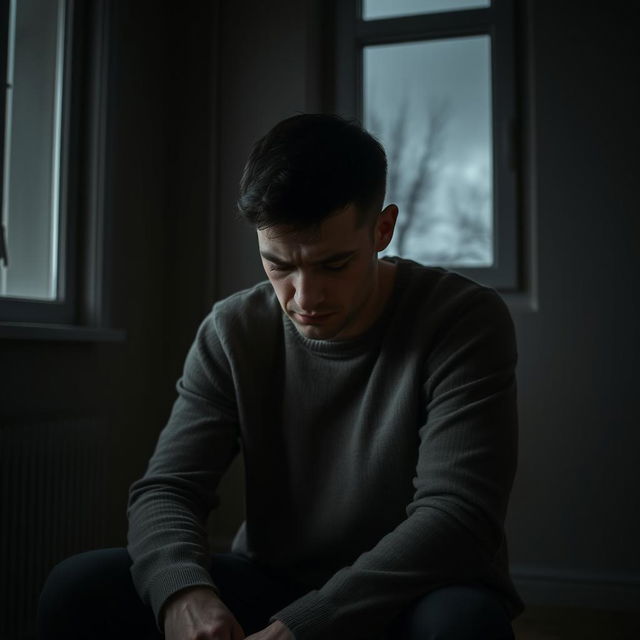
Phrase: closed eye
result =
(336, 267)
(279, 267)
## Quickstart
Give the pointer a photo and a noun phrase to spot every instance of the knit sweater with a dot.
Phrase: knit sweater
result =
(377, 468)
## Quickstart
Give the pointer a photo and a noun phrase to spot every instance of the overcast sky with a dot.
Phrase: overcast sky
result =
(372, 9)
(455, 70)
(424, 74)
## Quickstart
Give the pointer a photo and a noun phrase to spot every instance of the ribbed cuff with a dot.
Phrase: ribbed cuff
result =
(309, 617)
(173, 579)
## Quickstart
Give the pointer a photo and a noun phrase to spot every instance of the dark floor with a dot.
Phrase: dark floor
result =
(572, 623)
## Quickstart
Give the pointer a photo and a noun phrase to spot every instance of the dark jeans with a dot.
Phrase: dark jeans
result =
(91, 595)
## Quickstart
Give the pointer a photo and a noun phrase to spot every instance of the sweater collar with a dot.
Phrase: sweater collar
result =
(366, 340)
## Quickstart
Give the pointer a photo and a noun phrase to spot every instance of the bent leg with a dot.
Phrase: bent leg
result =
(461, 612)
(91, 595)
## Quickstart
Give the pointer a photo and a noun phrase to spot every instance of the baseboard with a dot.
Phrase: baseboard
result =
(574, 589)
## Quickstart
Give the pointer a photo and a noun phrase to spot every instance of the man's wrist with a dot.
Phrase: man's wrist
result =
(185, 595)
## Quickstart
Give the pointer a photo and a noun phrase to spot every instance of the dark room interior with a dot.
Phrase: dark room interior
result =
(167, 99)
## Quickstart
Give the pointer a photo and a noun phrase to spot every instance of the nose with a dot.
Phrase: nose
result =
(309, 292)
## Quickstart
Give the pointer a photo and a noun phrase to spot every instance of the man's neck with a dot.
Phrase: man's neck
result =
(386, 280)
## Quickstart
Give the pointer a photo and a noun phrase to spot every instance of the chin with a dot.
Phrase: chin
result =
(315, 333)
(318, 332)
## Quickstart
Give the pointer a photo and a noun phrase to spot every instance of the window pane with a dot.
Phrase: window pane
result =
(32, 148)
(376, 9)
(429, 103)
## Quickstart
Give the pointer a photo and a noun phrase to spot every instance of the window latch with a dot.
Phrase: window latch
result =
(4, 256)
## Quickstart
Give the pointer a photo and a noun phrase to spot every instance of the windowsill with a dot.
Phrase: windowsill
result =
(59, 332)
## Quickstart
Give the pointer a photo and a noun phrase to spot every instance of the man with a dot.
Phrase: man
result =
(374, 403)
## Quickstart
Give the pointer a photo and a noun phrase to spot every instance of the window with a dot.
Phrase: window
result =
(434, 81)
(35, 214)
(32, 149)
(52, 156)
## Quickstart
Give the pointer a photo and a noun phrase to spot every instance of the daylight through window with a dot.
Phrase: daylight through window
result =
(429, 103)
(31, 215)
(435, 81)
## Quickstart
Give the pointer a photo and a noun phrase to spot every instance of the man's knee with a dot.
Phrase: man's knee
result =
(78, 586)
(458, 613)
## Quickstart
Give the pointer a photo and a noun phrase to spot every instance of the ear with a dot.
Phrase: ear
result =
(385, 225)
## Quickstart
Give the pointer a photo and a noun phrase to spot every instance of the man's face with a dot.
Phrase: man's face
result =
(326, 279)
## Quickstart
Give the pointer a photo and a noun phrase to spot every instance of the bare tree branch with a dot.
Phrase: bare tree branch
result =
(423, 181)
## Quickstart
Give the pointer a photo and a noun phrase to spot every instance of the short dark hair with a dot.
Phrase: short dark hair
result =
(308, 167)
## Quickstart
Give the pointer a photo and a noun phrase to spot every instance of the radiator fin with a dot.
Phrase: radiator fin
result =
(52, 506)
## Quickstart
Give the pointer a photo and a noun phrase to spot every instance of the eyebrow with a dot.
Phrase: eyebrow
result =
(336, 257)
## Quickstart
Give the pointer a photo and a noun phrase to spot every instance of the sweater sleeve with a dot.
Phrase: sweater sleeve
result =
(169, 505)
(453, 531)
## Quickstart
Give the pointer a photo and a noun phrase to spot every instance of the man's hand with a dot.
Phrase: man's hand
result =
(275, 631)
(199, 613)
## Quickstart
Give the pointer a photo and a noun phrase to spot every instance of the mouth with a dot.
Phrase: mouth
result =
(311, 319)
